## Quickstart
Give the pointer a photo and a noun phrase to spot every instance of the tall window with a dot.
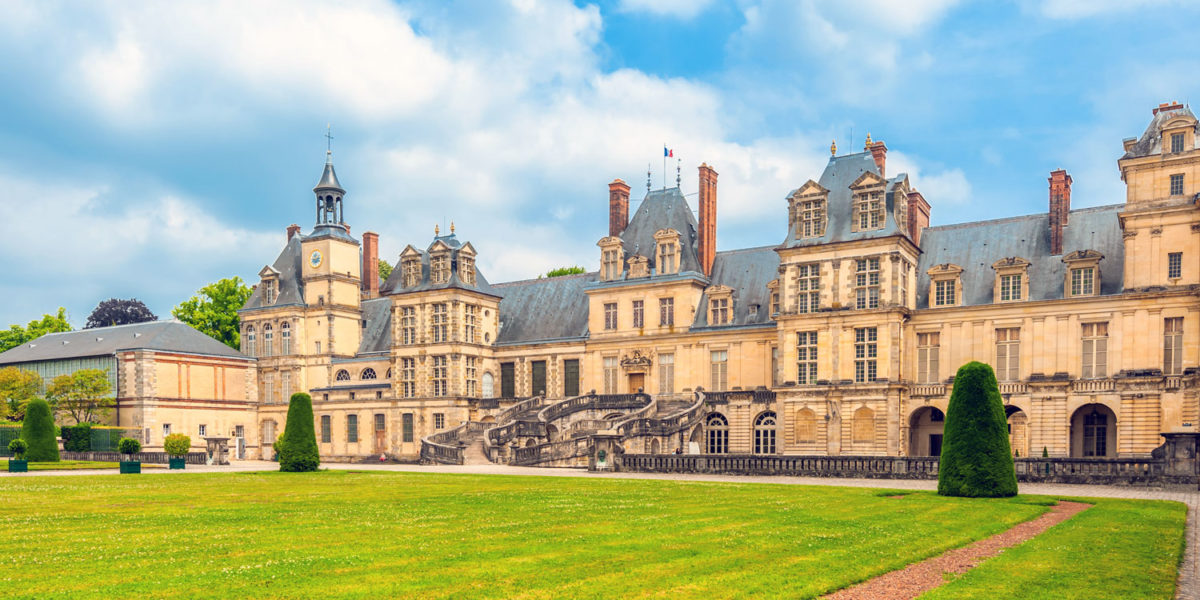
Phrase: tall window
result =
(439, 420)
(668, 257)
(352, 429)
(269, 290)
(472, 378)
(1174, 265)
(610, 375)
(666, 373)
(718, 311)
(466, 269)
(508, 380)
(868, 211)
(406, 427)
(812, 218)
(571, 377)
(471, 323)
(1177, 185)
(268, 388)
(806, 349)
(1010, 287)
(285, 338)
(808, 282)
(666, 312)
(1176, 142)
(716, 434)
(866, 352)
(268, 340)
(775, 303)
(610, 315)
(944, 292)
(719, 369)
(440, 322)
(1095, 434)
(408, 325)
(928, 350)
(1095, 350)
(1083, 281)
(639, 314)
(412, 272)
(441, 269)
(764, 433)
(866, 283)
(285, 384)
(611, 262)
(440, 378)
(326, 429)
(251, 349)
(1008, 354)
(408, 377)
(1173, 346)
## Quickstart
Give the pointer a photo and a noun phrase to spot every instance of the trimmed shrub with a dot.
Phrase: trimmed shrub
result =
(298, 445)
(976, 459)
(18, 448)
(129, 446)
(177, 444)
(77, 438)
(38, 432)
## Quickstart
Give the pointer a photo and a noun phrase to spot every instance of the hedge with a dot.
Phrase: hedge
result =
(77, 438)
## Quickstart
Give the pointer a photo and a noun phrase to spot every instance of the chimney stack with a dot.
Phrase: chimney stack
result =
(370, 266)
(1167, 106)
(618, 207)
(878, 151)
(918, 215)
(292, 230)
(1060, 208)
(708, 218)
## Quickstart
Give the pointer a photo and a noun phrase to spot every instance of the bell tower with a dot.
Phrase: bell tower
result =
(329, 196)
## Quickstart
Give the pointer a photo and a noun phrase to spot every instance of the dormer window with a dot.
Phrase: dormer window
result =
(611, 258)
(868, 211)
(639, 266)
(1012, 279)
(667, 254)
(945, 283)
(1083, 273)
(269, 292)
(1177, 142)
(809, 210)
(720, 305)
(411, 272)
(773, 291)
(1083, 281)
(440, 268)
(466, 269)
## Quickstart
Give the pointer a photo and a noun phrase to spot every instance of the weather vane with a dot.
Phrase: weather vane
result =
(328, 138)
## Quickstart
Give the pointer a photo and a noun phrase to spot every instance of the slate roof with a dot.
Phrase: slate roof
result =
(291, 285)
(663, 209)
(976, 246)
(1151, 142)
(329, 180)
(747, 271)
(331, 230)
(394, 283)
(377, 335)
(163, 336)
(839, 174)
(553, 308)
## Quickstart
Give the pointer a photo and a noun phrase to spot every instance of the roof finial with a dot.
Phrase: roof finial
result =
(647, 178)
(436, 230)
(868, 144)
(451, 227)
(678, 169)
(833, 148)
(328, 143)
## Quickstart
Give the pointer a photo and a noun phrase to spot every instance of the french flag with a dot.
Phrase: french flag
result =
(668, 153)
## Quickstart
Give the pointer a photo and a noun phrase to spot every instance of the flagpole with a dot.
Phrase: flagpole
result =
(664, 171)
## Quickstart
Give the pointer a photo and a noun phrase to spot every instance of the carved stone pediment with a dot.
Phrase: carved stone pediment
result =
(637, 361)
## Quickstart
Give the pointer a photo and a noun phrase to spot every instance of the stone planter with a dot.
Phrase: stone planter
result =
(177, 462)
(18, 466)
(131, 466)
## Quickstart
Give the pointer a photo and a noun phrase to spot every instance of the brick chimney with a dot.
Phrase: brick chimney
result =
(918, 215)
(618, 207)
(1167, 106)
(878, 151)
(370, 266)
(1060, 208)
(708, 218)
(292, 230)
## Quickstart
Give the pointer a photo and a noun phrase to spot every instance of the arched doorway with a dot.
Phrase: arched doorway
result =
(488, 384)
(531, 442)
(488, 419)
(1018, 430)
(925, 428)
(696, 440)
(655, 447)
(716, 434)
(551, 433)
(1093, 432)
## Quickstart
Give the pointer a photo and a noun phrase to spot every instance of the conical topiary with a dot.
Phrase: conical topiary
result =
(298, 450)
(38, 432)
(976, 459)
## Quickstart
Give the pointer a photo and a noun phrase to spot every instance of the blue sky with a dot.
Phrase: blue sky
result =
(150, 148)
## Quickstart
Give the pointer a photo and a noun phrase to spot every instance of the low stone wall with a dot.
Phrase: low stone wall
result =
(193, 458)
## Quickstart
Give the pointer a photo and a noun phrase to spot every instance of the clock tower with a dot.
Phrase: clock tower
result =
(331, 268)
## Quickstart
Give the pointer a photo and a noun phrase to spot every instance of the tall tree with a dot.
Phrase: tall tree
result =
(213, 310)
(298, 445)
(16, 335)
(38, 432)
(116, 311)
(976, 460)
(385, 269)
(17, 388)
(82, 395)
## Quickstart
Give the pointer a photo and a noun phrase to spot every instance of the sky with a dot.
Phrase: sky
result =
(150, 148)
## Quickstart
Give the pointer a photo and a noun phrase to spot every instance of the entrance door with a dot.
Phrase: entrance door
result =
(571, 377)
(239, 432)
(380, 434)
(935, 444)
(637, 381)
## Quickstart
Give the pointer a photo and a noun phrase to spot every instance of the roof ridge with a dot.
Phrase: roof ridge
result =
(536, 279)
(109, 327)
(1016, 218)
(750, 249)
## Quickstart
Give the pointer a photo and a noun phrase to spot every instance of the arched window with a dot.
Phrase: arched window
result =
(764, 433)
(367, 373)
(864, 425)
(489, 385)
(268, 340)
(716, 430)
(389, 373)
(250, 349)
(806, 425)
(342, 375)
(285, 338)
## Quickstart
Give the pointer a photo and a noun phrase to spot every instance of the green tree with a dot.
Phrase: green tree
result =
(82, 395)
(116, 311)
(559, 272)
(38, 432)
(213, 310)
(16, 335)
(976, 459)
(385, 269)
(298, 445)
(17, 388)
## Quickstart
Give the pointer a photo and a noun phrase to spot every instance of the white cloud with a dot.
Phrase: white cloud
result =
(941, 187)
(678, 9)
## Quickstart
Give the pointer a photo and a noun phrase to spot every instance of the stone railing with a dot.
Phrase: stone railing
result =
(1111, 471)
(569, 406)
(638, 426)
(927, 389)
(563, 452)
(1093, 385)
(520, 407)
(192, 458)
(446, 447)
(1013, 387)
(759, 396)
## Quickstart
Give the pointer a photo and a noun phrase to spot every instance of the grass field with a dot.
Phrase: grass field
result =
(342, 534)
(71, 465)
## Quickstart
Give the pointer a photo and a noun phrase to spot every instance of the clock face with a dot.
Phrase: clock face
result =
(315, 259)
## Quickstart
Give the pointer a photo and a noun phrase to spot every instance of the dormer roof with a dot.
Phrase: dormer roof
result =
(444, 243)
(841, 174)
(1151, 143)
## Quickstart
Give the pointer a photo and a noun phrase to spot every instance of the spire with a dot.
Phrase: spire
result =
(329, 190)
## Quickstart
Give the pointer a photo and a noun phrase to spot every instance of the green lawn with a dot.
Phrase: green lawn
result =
(341, 534)
(70, 465)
